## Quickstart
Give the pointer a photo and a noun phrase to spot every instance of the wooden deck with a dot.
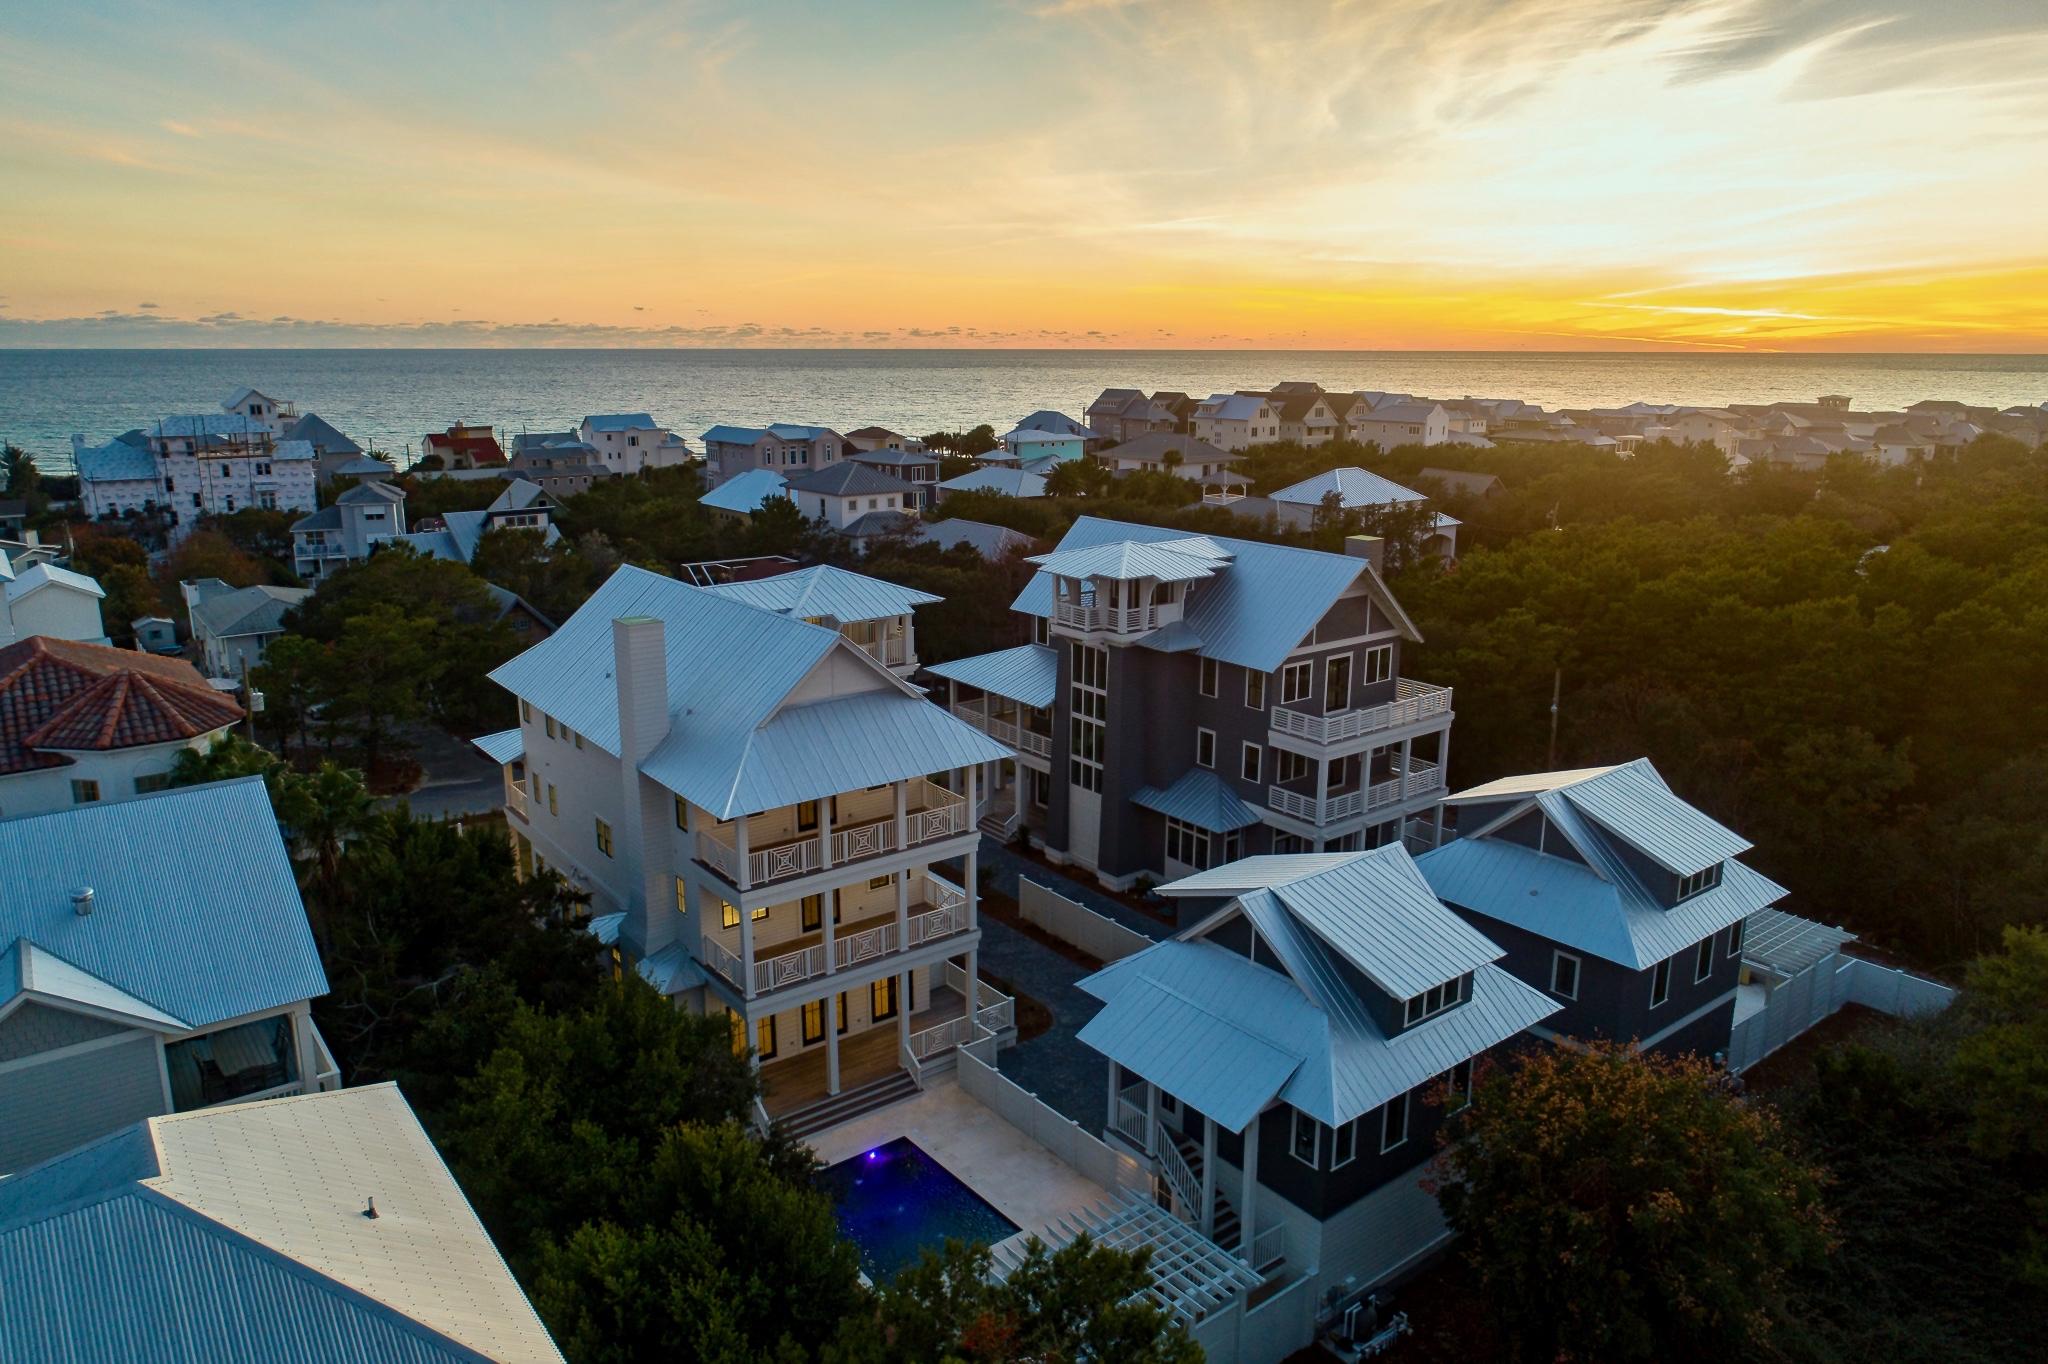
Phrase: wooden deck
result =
(864, 1057)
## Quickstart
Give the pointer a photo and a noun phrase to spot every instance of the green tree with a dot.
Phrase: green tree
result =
(2004, 1060)
(130, 596)
(291, 676)
(377, 675)
(1079, 478)
(1081, 1302)
(1616, 1206)
(209, 554)
(554, 578)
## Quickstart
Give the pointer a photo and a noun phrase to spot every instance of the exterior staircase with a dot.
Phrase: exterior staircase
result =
(1001, 814)
(1228, 1230)
(849, 1104)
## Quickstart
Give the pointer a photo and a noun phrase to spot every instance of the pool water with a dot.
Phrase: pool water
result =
(895, 1201)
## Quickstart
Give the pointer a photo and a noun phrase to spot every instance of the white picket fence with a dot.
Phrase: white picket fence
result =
(1072, 922)
(1819, 991)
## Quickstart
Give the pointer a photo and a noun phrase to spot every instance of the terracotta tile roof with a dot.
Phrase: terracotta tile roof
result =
(60, 694)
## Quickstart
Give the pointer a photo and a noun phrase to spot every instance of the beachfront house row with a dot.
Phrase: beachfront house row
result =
(348, 529)
(754, 805)
(1190, 700)
(1610, 894)
(83, 724)
(1122, 414)
(1401, 423)
(193, 465)
(789, 448)
(523, 505)
(1284, 1064)
(1236, 421)
(629, 443)
(146, 970)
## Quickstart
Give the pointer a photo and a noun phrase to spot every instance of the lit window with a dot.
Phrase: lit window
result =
(728, 914)
(604, 838)
(553, 809)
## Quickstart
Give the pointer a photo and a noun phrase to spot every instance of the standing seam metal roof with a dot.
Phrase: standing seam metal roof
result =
(1201, 798)
(1028, 673)
(827, 591)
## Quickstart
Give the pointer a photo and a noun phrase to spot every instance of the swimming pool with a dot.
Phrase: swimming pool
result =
(895, 1201)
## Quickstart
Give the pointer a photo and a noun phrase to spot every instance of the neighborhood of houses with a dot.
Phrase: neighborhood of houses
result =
(783, 815)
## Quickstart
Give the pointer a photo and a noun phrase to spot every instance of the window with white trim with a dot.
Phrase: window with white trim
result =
(1289, 765)
(1435, 1000)
(1379, 663)
(1210, 671)
(1249, 768)
(1343, 1144)
(1088, 693)
(1735, 938)
(1205, 748)
(1660, 982)
(1306, 1139)
(1297, 682)
(1564, 975)
(1187, 844)
(1703, 960)
(1394, 1123)
(1699, 881)
(1254, 690)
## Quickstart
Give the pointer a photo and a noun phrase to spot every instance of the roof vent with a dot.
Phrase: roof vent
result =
(370, 1208)
(81, 901)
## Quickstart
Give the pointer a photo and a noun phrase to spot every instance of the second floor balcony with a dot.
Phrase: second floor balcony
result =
(1413, 702)
(936, 911)
(1361, 798)
(1007, 724)
(931, 813)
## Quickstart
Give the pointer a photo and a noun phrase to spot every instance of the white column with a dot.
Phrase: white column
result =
(828, 910)
(1208, 1218)
(743, 872)
(1152, 1141)
(1322, 787)
(903, 998)
(902, 815)
(747, 947)
(1407, 748)
(1248, 1201)
(1443, 752)
(824, 833)
(973, 990)
(830, 1005)
(972, 864)
(1112, 1094)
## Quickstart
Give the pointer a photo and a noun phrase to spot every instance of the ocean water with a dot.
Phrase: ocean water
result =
(388, 399)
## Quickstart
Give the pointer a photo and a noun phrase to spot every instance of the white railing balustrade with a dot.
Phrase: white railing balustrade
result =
(1134, 1122)
(910, 1063)
(998, 1017)
(865, 945)
(723, 960)
(1269, 1248)
(941, 821)
(1187, 1190)
(718, 856)
(791, 968)
(515, 799)
(790, 859)
(936, 923)
(1030, 741)
(327, 1074)
(939, 813)
(1413, 701)
(942, 1037)
(866, 840)
(940, 893)
(1421, 778)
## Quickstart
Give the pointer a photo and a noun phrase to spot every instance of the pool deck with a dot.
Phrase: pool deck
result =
(1025, 1182)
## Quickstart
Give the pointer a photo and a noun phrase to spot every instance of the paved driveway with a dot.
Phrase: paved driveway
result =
(459, 780)
(1054, 1065)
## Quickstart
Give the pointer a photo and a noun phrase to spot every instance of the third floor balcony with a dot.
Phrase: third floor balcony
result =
(1413, 702)
(790, 944)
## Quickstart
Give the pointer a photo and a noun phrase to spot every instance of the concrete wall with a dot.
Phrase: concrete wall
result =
(1054, 1131)
(1071, 922)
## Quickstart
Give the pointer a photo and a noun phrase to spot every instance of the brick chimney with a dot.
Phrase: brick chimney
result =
(1371, 548)
(640, 667)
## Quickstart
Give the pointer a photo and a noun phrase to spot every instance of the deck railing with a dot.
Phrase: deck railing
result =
(327, 1072)
(1269, 1248)
(1420, 779)
(515, 799)
(937, 813)
(1412, 701)
(945, 915)
(1187, 1190)
(1004, 729)
(1134, 1122)
(945, 1036)
(1121, 620)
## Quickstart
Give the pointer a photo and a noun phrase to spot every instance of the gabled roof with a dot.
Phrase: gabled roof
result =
(1056, 424)
(326, 518)
(1461, 480)
(749, 435)
(621, 421)
(848, 478)
(1410, 413)
(370, 493)
(505, 746)
(869, 525)
(316, 431)
(990, 541)
(1354, 488)
(49, 575)
(64, 694)
(116, 462)
(202, 928)
(996, 479)
(1230, 1036)
(1154, 446)
(363, 467)
(31, 974)
(1630, 801)
(519, 495)
(1255, 612)
(1201, 798)
(1032, 435)
(1028, 673)
(1185, 559)
(238, 1233)
(194, 425)
(733, 746)
(745, 492)
(1230, 407)
(827, 593)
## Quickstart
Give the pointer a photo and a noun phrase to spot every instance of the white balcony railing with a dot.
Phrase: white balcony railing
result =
(1134, 1121)
(945, 1036)
(1413, 701)
(1421, 779)
(944, 915)
(1187, 1190)
(515, 799)
(1030, 741)
(1004, 729)
(1122, 620)
(939, 814)
(1269, 1248)
(327, 1072)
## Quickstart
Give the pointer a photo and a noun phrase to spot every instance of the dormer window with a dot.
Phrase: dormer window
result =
(1434, 1001)
(1699, 881)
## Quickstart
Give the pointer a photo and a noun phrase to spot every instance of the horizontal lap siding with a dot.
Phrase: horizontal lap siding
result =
(48, 1108)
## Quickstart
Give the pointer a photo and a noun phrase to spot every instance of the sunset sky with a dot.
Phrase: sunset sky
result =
(1492, 174)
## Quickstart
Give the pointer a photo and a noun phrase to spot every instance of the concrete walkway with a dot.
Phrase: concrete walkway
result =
(1055, 1065)
(1008, 865)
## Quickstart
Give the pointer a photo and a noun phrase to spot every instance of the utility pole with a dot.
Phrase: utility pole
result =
(1556, 689)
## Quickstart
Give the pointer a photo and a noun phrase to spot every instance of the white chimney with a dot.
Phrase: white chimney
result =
(1371, 548)
(640, 668)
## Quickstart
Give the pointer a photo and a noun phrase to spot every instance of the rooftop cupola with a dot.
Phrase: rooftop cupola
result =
(1129, 588)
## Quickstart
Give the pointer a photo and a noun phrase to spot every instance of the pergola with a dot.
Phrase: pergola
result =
(1192, 1276)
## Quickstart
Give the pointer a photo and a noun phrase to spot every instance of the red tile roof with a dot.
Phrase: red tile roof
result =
(481, 449)
(60, 694)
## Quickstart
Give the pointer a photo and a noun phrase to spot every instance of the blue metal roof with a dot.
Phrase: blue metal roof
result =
(620, 421)
(1633, 803)
(825, 591)
(732, 435)
(1377, 912)
(1354, 487)
(1252, 613)
(1028, 673)
(993, 479)
(195, 908)
(116, 462)
(1188, 559)
(672, 970)
(506, 746)
(991, 542)
(1201, 798)
(745, 492)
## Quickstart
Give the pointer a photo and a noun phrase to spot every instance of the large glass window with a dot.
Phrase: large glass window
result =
(1297, 682)
(1394, 1123)
(232, 1063)
(1088, 694)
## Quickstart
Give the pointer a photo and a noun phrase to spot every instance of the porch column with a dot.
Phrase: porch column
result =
(1112, 1093)
(973, 990)
(1437, 826)
(825, 833)
(828, 914)
(902, 815)
(1208, 1219)
(1407, 750)
(904, 995)
(973, 862)
(831, 1005)
(1322, 787)
(1443, 754)
(1152, 1141)
(744, 872)
(1248, 1200)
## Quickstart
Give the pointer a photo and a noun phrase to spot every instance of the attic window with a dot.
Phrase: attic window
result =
(1435, 1000)
(1689, 886)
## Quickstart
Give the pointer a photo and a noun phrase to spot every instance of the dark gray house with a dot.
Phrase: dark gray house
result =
(1194, 699)
(1284, 1064)
(1610, 894)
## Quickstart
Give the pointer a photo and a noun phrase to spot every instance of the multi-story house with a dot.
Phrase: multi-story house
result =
(750, 801)
(1200, 699)
(273, 415)
(868, 438)
(233, 626)
(1350, 489)
(1122, 414)
(1400, 423)
(154, 958)
(522, 506)
(1030, 446)
(1182, 456)
(1236, 421)
(1612, 895)
(786, 447)
(628, 443)
(465, 445)
(918, 468)
(318, 1226)
(1308, 416)
(1285, 1063)
(82, 724)
(348, 529)
(874, 615)
(204, 464)
(44, 599)
(855, 499)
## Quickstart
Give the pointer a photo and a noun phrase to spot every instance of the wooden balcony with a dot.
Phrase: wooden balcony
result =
(1413, 702)
(938, 911)
(931, 813)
